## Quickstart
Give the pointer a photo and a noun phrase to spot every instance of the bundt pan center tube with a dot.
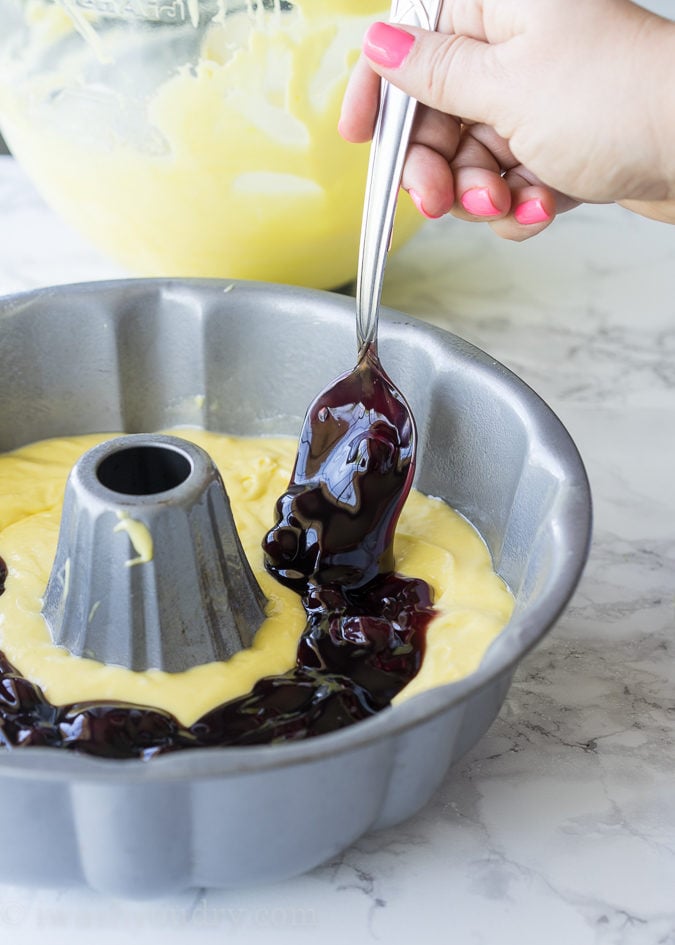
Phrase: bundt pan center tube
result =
(139, 356)
(194, 601)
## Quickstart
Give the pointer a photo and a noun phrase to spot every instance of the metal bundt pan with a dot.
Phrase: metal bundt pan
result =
(247, 358)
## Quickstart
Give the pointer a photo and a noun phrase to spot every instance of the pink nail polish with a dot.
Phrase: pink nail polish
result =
(531, 211)
(478, 201)
(387, 45)
(417, 200)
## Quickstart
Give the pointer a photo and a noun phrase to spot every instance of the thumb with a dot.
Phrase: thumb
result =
(448, 72)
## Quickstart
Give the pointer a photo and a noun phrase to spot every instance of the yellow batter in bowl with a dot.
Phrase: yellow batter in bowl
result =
(207, 151)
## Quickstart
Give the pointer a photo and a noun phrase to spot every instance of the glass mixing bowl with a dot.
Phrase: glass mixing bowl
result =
(194, 137)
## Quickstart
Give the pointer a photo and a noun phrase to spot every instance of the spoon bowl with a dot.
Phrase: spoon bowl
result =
(352, 475)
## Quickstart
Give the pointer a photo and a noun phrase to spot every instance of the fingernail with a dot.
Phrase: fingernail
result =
(531, 211)
(478, 201)
(417, 200)
(386, 45)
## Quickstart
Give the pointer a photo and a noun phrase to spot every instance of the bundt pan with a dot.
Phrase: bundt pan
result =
(247, 358)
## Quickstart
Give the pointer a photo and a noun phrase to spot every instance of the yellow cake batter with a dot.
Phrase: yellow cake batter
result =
(229, 165)
(432, 542)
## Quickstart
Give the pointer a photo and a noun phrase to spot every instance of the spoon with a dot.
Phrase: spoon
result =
(387, 156)
(356, 456)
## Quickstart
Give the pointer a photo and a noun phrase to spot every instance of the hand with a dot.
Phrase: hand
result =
(530, 106)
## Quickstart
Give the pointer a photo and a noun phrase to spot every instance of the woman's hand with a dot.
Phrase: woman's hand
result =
(528, 108)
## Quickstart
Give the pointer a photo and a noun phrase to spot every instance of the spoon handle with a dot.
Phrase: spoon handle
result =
(387, 155)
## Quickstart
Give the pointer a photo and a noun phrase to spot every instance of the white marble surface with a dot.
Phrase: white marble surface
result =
(559, 827)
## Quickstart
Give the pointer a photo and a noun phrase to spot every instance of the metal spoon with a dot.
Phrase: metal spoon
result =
(356, 459)
(387, 155)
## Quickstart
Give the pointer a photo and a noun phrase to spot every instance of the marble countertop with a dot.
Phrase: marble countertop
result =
(559, 826)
